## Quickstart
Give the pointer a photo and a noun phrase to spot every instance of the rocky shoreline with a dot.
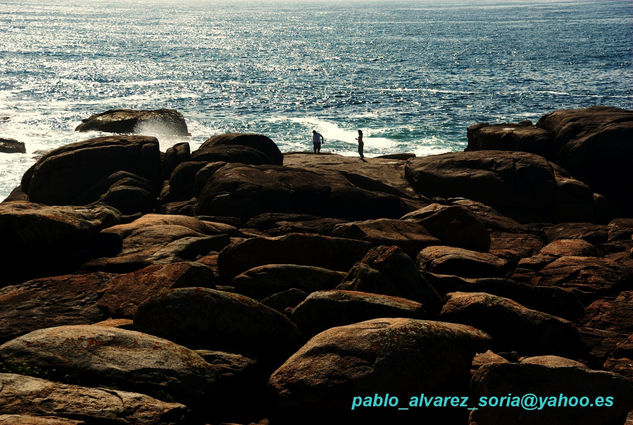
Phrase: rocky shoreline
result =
(238, 284)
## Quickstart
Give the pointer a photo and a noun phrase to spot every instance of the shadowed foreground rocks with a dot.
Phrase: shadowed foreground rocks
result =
(234, 284)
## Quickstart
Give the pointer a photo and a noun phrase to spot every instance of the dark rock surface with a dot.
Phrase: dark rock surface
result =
(523, 136)
(462, 262)
(239, 147)
(163, 121)
(11, 146)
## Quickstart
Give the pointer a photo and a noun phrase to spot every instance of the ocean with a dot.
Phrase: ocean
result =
(411, 75)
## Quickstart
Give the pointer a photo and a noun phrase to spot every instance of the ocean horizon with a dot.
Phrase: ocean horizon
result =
(411, 75)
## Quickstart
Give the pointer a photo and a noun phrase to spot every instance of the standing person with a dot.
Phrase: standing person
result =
(361, 145)
(317, 141)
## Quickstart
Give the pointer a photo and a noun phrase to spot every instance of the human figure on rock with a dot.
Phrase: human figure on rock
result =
(317, 141)
(361, 145)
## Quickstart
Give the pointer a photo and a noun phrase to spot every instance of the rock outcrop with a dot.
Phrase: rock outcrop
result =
(161, 121)
(11, 146)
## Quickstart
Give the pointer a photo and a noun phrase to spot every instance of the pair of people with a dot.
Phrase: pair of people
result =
(317, 141)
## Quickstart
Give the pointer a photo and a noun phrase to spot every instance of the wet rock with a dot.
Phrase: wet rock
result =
(462, 262)
(326, 309)
(513, 326)
(68, 175)
(49, 240)
(588, 277)
(521, 185)
(219, 320)
(377, 356)
(409, 236)
(106, 356)
(162, 121)
(50, 301)
(549, 381)
(244, 191)
(454, 225)
(21, 394)
(239, 147)
(124, 293)
(312, 250)
(263, 281)
(390, 271)
(570, 247)
(11, 146)
(594, 144)
(522, 136)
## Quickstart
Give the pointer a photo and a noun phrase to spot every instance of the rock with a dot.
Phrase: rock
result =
(161, 121)
(181, 182)
(50, 301)
(594, 144)
(588, 277)
(555, 301)
(513, 246)
(488, 357)
(592, 233)
(21, 394)
(16, 195)
(521, 185)
(523, 137)
(462, 262)
(388, 355)
(288, 299)
(511, 325)
(70, 172)
(326, 309)
(11, 146)
(244, 191)
(570, 247)
(116, 323)
(175, 155)
(312, 250)
(612, 314)
(106, 356)
(389, 271)
(50, 239)
(160, 239)
(621, 229)
(454, 225)
(239, 147)
(489, 217)
(277, 224)
(620, 360)
(263, 281)
(550, 382)
(552, 361)
(37, 420)
(124, 191)
(400, 156)
(409, 236)
(122, 296)
(219, 320)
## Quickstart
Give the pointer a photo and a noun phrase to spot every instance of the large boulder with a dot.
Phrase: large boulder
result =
(239, 147)
(511, 325)
(160, 239)
(50, 301)
(328, 376)
(462, 262)
(107, 356)
(219, 320)
(454, 225)
(174, 155)
(41, 398)
(263, 281)
(390, 271)
(48, 240)
(312, 250)
(11, 146)
(595, 145)
(79, 173)
(161, 121)
(521, 185)
(124, 293)
(606, 397)
(243, 190)
(326, 309)
(523, 136)
(411, 237)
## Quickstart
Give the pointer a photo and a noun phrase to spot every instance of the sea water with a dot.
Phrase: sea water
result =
(411, 75)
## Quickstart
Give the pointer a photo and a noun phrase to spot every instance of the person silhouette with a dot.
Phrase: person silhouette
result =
(317, 141)
(361, 145)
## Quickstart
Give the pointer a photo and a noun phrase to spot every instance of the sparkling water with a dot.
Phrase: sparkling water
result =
(411, 75)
